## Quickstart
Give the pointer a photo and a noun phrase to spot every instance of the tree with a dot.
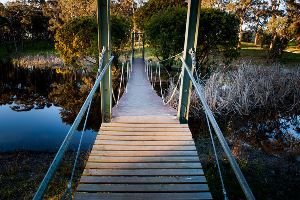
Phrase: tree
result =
(165, 32)
(283, 25)
(242, 9)
(76, 40)
(218, 33)
(152, 7)
(293, 14)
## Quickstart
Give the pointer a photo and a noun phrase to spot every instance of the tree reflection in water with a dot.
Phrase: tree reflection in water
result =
(25, 89)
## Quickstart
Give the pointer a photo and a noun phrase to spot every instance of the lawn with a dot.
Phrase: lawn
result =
(29, 48)
(258, 55)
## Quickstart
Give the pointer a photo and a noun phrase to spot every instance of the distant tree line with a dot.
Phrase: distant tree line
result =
(70, 24)
(274, 23)
(23, 21)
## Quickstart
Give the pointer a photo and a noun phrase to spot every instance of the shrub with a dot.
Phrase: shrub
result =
(218, 34)
(165, 32)
(77, 39)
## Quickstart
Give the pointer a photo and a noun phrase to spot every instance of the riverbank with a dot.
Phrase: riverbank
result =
(269, 176)
(21, 173)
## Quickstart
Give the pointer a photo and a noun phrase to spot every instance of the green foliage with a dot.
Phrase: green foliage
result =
(120, 29)
(165, 32)
(218, 34)
(77, 39)
(153, 7)
(20, 23)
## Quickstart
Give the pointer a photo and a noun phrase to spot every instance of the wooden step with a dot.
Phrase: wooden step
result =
(95, 165)
(152, 179)
(144, 153)
(142, 148)
(142, 187)
(146, 143)
(161, 159)
(143, 172)
(145, 129)
(145, 138)
(156, 133)
(144, 196)
(155, 125)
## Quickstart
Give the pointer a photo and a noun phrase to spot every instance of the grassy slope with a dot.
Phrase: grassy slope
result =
(30, 48)
(291, 55)
(257, 55)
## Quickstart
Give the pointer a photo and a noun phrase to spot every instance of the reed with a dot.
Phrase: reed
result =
(248, 88)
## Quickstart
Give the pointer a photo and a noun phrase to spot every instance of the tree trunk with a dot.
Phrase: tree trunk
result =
(273, 42)
(241, 33)
(257, 40)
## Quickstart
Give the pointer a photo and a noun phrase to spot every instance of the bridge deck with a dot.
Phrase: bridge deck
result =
(145, 153)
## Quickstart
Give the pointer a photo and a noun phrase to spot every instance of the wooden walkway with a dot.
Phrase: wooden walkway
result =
(145, 153)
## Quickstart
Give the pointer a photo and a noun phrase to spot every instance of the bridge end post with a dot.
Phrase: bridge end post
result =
(191, 36)
(132, 45)
(143, 51)
(104, 40)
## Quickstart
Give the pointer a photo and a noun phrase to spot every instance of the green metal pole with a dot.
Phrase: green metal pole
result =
(191, 36)
(104, 40)
(132, 44)
(143, 51)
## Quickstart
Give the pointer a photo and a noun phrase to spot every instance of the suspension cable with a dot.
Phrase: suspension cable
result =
(174, 90)
(216, 157)
(121, 81)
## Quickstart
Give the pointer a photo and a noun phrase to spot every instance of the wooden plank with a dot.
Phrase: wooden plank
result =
(155, 125)
(144, 196)
(144, 153)
(95, 165)
(146, 143)
(146, 120)
(144, 129)
(143, 172)
(142, 187)
(144, 133)
(142, 148)
(152, 179)
(145, 138)
(143, 159)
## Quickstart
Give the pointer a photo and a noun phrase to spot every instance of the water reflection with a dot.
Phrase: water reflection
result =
(37, 107)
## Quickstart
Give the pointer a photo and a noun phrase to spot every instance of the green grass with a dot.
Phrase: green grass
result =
(29, 48)
(258, 55)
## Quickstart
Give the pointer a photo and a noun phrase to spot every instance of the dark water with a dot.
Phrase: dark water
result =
(38, 106)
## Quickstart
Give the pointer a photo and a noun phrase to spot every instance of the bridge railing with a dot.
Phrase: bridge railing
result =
(211, 120)
(59, 155)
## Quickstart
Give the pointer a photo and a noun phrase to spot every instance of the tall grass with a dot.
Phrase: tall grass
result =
(39, 61)
(249, 88)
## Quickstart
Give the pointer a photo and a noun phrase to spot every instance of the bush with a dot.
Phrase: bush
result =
(218, 34)
(165, 32)
(77, 40)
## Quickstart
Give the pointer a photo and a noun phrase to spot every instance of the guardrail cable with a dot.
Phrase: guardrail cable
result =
(59, 155)
(216, 158)
(234, 165)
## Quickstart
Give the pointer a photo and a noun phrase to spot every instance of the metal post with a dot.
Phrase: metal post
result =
(104, 40)
(132, 45)
(191, 36)
(143, 50)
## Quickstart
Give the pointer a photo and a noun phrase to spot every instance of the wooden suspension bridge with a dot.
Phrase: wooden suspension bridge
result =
(145, 153)
(144, 149)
